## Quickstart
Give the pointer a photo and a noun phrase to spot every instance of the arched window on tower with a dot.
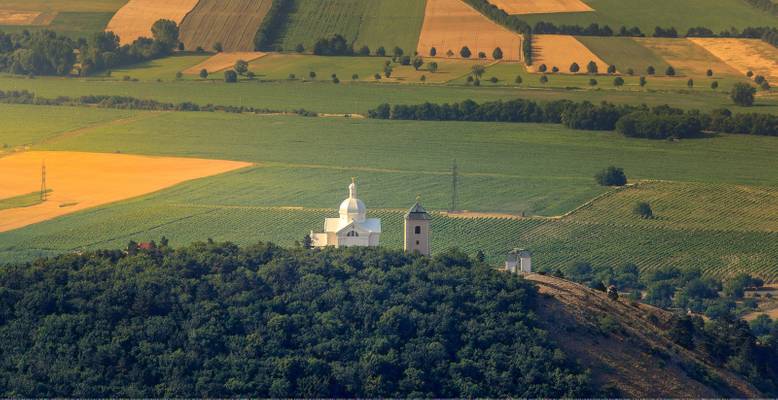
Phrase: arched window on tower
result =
(352, 234)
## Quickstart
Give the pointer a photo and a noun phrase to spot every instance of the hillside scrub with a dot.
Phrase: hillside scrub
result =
(216, 320)
(636, 121)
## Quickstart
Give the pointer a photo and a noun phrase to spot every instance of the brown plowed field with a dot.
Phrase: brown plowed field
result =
(541, 6)
(222, 61)
(452, 24)
(687, 57)
(79, 181)
(233, 23)
(562, 51)
(135, 19)
(744, 55)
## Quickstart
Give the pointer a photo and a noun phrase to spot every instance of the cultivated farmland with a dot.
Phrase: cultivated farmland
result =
(135, 19)
(686, 56)
(75, 18)
(450, 25)
(624, 53)
(372, 23)
(562, 51)
(233, 23)
(541, 6)
(744, 55)
(222, 61)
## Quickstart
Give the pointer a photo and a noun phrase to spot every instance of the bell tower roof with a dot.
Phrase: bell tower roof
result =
(417, 212)
(353, 209)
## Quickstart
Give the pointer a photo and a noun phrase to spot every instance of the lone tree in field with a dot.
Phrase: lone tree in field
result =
(218, 47)
(519, 80)
(433, 52)
(709, 73)
(643, 81)
(714, 85)
(690, 83)
(554, 69)
(497, 54)
(670, 71)
(542, 68)
(743, 94)
(230, 76)
(574, 67)
(312, 75)
(465, 52)
(544, 79)
(203, 73)
(165, 32)
(611, 176)
(241, 67)
(432, 67)
(592, 67)
(592, 82)
(481, 55)
(388, 71)
(643, 210)
(618, 81)
(611, 69)
(651, 70)
(478, 71)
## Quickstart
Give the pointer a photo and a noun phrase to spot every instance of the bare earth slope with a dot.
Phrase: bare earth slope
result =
(135, 19)
(451, 24)
(637, 358)
(233, 23)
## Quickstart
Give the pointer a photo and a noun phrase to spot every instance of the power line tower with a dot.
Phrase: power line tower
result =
(454, 187)
(44, 190)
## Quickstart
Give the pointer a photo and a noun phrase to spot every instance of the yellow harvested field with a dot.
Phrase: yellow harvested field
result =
(450, 25)
(687, 57)
(79, 181)
(541, 6)
(135, 19)
(744, 55)
(562, 51)
(222, 61)
(13, 17)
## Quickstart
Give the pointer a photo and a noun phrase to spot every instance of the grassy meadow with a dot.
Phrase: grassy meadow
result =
(716, 15)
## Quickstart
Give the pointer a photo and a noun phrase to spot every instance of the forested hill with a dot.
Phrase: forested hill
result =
(215, 320)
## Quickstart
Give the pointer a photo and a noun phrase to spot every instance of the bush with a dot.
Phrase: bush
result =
(518, 80)
(230, 76)
(544, 79)
(742, 94)
(709, 73)
(643, 210)
(380, 52)
(714, 85)
(355, 77)
(690, 83)
(554, 69)
(493, 79)
(618, 81)
(643, 81)
(481, 55)
(611, 176)
(592, 82)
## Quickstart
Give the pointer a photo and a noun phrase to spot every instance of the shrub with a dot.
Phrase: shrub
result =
(230, 76)
(312, 74)
(544, 79)
(519, 80)
(481, 55)
(380, 52)
(742, 94)
(643, 81)
(493, 79)
(709, 73)
(355, 77)
(714, 85)
(611, 176)
(592, 82)
(643, 210)
(554, 69)
(618, 81)
(630, 71)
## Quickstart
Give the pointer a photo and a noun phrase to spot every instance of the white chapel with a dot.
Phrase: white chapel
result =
(352, 228)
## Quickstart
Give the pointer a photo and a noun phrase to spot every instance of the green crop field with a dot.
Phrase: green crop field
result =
(708, 213)
(359, 97)
(374, 23)
(624, 53)
(164, 69)
(716, 15)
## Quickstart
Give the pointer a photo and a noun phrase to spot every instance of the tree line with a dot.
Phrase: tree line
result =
(272, 25)
(749, 349)
(218, 320)
(658, 122)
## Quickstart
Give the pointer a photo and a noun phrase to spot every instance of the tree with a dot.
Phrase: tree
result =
(651, 70)
(480, 256)
(750, 74)
(165, 33)
(554, 69)
(398, 52)
(465, 52)
(643, 81)
(709, 73)
(423, 78)
(611, 69)
(497, 54)
(611, 176)
(519, 80)
(481, 55)
(592, 68)
(335, 80)
(432, 67)
(312, 75)
(618, 81)
(241, 67)
(670, 71)
(433, 52)
(643, 210)
(542, 68)
(364, 51)
(218, 47)
(355, 77)
(574, 67)
(299, 48)
(380, 52)
(714, 85)
(230, 76)
(203, 73)
(377, 77)
(493, 79)
(613, 293)
(388, 71)
(449, 53)
(592, 82)
(690, 83)
(742, 94)
(477, 70)
(179, 75)
(544, 79)
(417, 62)
(307, 242)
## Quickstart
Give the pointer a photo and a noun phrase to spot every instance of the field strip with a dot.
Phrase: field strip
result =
(222, 61)
(135, 19)
(521, 7)
(687, 56)
(562, 51)
(25, 18)
(87, 129)
(233, 23)
(744, 55)
(450, 25)
(80, 181)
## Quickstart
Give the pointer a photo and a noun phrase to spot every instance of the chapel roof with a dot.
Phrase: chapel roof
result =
(417, 212)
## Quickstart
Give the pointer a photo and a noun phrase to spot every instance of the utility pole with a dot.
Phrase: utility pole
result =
(44, 190)
(454, 187)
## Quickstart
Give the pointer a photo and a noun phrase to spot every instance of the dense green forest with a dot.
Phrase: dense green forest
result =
(216, 320)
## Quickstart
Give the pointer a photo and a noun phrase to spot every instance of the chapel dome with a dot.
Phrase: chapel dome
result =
(353, 209)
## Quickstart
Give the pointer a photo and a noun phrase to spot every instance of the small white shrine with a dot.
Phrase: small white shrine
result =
(352, 228)
(519, 262)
